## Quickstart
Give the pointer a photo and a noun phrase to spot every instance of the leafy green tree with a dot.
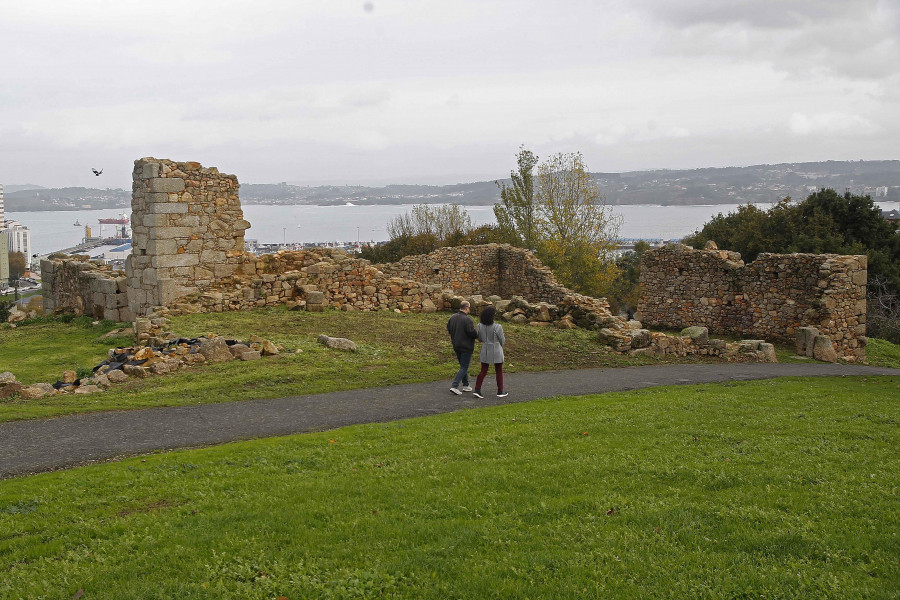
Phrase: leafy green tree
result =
(17, 265)
(517, 212)
(578, 231)
(624, 291)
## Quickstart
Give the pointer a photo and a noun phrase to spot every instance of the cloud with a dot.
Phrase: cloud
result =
(831, 123)
(859, 39)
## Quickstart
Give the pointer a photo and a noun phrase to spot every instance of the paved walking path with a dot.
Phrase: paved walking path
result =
(41, 445)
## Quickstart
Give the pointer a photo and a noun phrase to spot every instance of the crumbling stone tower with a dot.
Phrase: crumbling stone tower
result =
(188, 231)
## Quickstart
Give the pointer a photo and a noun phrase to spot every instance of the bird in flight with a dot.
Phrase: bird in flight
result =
(96, 172)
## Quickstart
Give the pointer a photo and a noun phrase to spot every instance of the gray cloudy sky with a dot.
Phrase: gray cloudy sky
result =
(428, 91)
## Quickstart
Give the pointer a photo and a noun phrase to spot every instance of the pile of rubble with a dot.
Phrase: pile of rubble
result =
(141, 361)
(632, 339)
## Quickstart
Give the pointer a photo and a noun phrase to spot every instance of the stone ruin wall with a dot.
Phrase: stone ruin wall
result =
(769, 298)
(315, 279)
(84, 288)
(188, 231)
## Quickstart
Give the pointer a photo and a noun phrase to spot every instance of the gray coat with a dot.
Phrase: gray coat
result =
(492, 341)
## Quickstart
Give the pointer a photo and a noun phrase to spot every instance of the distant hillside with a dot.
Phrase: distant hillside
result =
(77, 198)
(10, 188)
(729, 185)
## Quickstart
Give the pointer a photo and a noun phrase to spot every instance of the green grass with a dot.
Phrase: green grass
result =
(771, 489)
(882, 353)
(393, 348)
(41, 350)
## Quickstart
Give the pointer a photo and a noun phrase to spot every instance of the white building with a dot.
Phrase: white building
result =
(4, 261)
(2, 218)
(19, 239)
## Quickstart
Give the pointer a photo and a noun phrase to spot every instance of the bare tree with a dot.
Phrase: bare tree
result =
(882, 311)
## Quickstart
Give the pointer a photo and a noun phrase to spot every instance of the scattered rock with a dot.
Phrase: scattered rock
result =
(250, 355)
(144, 354)
(640, 339)
(31, 393)
(337, 343)
(69, 377)
(7, 377)
(268, 349)
(700, 335)
(10, 389)
(215, 350)
(136, 370)
(87, 389)
(823, 349)
(768, 353)
(116, 376)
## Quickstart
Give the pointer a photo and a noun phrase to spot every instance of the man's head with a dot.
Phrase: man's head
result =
(464, 306)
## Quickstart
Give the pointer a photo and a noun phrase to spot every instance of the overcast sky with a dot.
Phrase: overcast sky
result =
(427, 91)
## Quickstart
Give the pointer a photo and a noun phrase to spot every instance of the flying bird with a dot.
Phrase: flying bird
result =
(96, 172)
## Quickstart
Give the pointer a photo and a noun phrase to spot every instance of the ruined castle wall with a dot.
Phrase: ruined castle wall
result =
(188, 231)
(768, 298)
(489, 269)
(314, 280)
(188, 252)
(84, 288)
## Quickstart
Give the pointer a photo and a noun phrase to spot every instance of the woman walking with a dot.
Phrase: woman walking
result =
(492, 342)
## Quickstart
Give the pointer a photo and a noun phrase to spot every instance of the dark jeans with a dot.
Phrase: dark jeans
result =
(464, 358)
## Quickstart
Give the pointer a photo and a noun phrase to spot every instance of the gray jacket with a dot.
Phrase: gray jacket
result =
(492, 342)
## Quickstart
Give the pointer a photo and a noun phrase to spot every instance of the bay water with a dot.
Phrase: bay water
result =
(56, 230)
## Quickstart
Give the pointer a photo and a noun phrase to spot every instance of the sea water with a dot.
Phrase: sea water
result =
(55, 230)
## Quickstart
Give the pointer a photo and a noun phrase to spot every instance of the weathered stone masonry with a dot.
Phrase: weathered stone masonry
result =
(769, 298)
(84, 288)
(188, 231)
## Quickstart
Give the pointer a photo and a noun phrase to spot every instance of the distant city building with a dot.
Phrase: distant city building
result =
(4, 261)
(19, 238)
(2, 218)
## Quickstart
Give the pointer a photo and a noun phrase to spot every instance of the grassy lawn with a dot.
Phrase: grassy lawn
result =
(393, 348)
(772, 489)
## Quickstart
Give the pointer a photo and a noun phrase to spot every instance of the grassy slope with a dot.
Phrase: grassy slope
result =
(775, 489)
(393, 348)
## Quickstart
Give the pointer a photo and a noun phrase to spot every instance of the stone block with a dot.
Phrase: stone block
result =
(210, 257)
(150, 171)
(105, 286)
(162, 246)
(315, 298)
(163, 233)
(803, 341)
(175, 260)
(224, 270)
(168, 208)
(155, 220)
(166, 185)
(823, 349)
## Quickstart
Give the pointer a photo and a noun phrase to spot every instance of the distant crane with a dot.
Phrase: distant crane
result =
(96, 172)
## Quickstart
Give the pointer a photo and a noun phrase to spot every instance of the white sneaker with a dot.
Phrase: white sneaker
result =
(456, 391)
(466, 388)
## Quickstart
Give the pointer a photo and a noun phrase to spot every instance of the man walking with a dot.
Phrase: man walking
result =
(463, 335)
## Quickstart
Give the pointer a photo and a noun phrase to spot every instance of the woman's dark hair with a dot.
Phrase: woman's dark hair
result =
(487, 315)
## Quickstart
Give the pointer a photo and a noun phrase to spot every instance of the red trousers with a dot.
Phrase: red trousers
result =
(498, 369)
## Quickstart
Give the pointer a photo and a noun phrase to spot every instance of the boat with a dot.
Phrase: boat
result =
(121, 220)
(76, 223)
